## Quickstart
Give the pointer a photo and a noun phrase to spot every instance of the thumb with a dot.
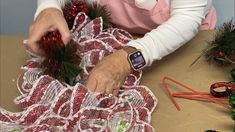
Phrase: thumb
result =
(91, 83)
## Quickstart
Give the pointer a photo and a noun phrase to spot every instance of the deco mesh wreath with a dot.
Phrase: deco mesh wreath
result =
(53, 95)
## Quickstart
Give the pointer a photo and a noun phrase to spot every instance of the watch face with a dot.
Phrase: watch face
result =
(137, 60)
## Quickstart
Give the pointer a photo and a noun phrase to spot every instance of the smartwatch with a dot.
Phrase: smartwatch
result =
(135, 58)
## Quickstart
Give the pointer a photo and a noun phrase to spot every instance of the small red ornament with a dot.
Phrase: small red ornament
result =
(219, 54)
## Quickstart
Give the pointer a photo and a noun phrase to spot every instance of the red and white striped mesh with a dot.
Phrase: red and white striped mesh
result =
(50, 105)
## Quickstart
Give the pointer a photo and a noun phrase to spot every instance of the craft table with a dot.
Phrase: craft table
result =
(195, 116)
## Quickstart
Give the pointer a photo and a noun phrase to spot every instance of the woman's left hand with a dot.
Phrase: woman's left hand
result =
(108, 75)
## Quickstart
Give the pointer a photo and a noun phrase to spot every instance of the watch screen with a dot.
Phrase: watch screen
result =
(137, 60)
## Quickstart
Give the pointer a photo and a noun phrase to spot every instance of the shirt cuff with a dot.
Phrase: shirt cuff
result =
(44, 4)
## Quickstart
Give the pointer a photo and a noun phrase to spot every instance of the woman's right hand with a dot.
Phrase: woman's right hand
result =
(48, 20)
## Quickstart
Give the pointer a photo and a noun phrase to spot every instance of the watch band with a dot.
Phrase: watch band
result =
(129, 49)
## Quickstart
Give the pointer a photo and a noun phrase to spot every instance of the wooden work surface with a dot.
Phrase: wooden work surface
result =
(195, 116)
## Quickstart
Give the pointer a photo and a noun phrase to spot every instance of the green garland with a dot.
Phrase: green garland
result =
(232, 98)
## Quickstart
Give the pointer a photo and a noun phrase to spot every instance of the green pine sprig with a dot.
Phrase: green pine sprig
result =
(63, 63)
(222, 48)
(99, 11)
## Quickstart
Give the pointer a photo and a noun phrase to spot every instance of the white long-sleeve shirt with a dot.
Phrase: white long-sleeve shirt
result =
(161, 38)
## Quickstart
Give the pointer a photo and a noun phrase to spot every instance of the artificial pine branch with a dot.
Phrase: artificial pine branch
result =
(100, 11)
(222, 49)
(62, 63)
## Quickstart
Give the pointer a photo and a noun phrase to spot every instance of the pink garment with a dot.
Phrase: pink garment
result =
(210, 21)
(127, 15)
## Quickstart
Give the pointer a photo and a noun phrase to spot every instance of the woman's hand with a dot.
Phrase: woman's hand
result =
(108, 76)
(50, 19)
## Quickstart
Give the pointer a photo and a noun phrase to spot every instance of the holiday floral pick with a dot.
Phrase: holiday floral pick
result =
(93, 11)
(50, 104)
(221, 50)
(62, 62)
